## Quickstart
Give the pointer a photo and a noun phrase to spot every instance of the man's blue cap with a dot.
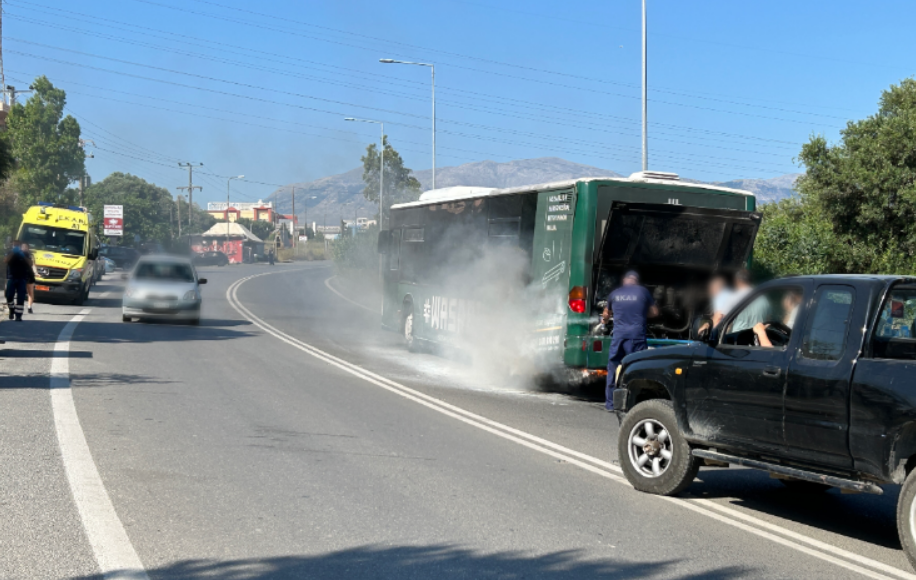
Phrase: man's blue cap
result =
(632, 274)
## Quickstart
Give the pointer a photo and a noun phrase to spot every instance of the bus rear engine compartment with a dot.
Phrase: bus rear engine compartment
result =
(681, 298)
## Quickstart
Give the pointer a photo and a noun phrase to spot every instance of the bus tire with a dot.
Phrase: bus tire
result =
(906, 517)
(407, 328)
(652, 453)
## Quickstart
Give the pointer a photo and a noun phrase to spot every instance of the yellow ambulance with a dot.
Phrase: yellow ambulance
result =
(65, 250)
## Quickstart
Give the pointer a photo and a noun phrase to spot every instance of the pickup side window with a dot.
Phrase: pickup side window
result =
(766, 321)
(895, 334)
(828, 325)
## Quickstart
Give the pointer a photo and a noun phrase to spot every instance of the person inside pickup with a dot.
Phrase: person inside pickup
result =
(767, 320)
(895, 331)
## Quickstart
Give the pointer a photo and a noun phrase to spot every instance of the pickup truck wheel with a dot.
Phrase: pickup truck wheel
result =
(906, 517)
(654, 456)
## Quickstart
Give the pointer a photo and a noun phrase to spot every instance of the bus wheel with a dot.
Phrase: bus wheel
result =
(409, 339)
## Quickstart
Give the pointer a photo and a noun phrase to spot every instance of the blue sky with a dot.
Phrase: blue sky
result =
(262, 88)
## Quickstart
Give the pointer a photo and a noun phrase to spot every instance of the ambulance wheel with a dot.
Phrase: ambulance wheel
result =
(81, 297)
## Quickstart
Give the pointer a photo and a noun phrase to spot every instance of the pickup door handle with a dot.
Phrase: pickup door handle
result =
(772, 372)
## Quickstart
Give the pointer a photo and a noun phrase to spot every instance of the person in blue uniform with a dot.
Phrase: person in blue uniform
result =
(632, 306)
(18, 271)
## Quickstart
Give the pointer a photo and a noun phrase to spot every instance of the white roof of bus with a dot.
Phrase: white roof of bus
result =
(457, 193)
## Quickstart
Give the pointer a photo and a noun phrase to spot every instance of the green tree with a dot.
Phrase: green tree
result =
(45, 145)
(793, 239)
(149, 210)
(865, 186)
(400, 185)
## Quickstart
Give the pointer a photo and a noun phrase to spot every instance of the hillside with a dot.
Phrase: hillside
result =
(330, 198)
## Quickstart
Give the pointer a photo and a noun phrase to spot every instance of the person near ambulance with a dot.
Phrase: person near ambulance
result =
(632, 306)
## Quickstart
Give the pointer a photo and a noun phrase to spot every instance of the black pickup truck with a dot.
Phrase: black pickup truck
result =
(812, 379)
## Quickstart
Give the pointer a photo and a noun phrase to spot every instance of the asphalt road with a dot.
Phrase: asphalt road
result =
(289, 437)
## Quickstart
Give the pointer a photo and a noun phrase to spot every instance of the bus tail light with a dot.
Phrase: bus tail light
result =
(577, 299)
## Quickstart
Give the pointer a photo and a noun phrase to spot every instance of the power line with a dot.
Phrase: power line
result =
(502, 113)
(501, 74)
(363, 74)
(286, 19)
(174, 83)
(551, 138)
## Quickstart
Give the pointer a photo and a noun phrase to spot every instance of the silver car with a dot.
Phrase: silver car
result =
(162, 287)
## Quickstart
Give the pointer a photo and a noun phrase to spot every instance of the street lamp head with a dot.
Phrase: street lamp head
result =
(386, 60)
(349, 119)
(240, 177)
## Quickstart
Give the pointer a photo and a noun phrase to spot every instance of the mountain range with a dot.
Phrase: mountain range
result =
(329, 199)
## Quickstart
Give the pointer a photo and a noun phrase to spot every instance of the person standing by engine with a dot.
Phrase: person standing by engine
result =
(632, 306)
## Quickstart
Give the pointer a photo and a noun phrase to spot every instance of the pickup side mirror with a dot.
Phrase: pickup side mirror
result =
(383, 240)
(202, 281)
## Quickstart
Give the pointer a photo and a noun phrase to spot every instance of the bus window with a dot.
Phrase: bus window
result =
(413, 234)
(394, 250)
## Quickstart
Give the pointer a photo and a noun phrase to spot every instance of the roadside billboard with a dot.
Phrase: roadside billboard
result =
(113, 220)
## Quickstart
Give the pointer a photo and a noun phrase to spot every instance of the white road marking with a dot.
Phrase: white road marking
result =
(335, 291)
(778, 534)
(115, 555)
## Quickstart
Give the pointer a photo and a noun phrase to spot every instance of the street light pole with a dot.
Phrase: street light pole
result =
(227, 203)
(432, 68)
(645, 99)
(381, 168)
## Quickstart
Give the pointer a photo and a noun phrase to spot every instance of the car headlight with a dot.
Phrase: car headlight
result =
(75, 274)
(191, 295)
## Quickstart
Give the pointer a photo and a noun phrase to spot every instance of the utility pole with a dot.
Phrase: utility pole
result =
(2, 74)
(11, 91)
(295, 231)
(190, 187)
(178, 203)
(84, 178)
(645, 94)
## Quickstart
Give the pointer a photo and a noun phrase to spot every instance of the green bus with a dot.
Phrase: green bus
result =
(526, 270)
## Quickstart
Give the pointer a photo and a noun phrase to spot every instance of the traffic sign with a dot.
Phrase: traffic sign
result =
(113, 221)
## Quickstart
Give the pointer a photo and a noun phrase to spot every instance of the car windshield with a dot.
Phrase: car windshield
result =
(164, 271)
(52, 239)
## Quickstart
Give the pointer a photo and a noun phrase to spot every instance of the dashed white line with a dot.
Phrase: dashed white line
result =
(113, 551)
(785, 537)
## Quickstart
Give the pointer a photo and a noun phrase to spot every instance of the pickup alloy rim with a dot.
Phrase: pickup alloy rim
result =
(650, 448)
